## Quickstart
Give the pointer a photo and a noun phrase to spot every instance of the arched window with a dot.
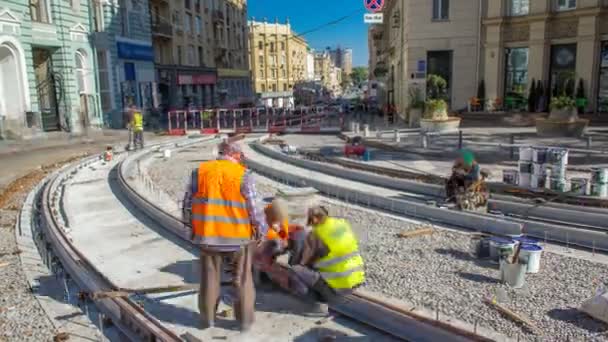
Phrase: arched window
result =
(81, 71)
(13, 92)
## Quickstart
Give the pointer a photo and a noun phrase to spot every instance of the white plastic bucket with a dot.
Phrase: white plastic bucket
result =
(599, 190)
(499, 243)
(513, 275)
(167, 154)
(540, 155)
(510, 176)
(526, 154)
(532, 253)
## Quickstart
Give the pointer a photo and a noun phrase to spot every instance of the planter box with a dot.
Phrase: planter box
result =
(451, 124)
(558, 128)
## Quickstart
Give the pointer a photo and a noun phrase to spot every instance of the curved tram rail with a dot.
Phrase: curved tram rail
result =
(137, 324)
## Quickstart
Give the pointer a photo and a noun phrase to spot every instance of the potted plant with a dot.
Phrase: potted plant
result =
(562, 109)
(416, 107)
(581, 100)
(563, 120)
(436, 117)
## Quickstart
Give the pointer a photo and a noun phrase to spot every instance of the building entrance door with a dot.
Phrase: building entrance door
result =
(440, 63)
(46, 88)
(563, 68)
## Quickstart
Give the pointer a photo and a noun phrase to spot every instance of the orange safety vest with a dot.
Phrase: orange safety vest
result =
(219, 210)
(283, 234)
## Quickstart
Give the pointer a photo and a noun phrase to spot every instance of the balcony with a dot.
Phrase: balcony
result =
(164, 30)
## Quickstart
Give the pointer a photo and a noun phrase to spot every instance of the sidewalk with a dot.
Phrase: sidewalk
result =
(20, 157)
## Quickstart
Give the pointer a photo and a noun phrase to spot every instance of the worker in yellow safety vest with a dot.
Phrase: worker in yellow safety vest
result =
(226, 223)
(137, 126)
(328, 261)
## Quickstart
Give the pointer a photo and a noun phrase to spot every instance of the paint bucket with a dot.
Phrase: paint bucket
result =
(531, 253)
(557, 184)
(526, 240)
(366, 130)
(558, 171)
(538, 181)
(599, 190)
(557, 156)
(578, 186)
(500, 246)
(525, 180)
(526, 154)
(513, 275)
(525, 167)
(367, 155)
(510, 177)
(167, 154)
(599, 175)
(539, 155)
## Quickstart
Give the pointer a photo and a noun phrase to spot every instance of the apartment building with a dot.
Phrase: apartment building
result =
(200, 52)
(421, 37)
(123, 46)
(343, 59)
(47, 68)
(549, 41)
(327, 73)
(278, 58)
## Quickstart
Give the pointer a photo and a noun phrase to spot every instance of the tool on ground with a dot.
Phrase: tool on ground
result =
(415, 233)
(512, 314)
(128, 292)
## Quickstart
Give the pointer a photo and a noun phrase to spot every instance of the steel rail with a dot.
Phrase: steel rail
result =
(378, 314)
(125, 314)
(588, 231)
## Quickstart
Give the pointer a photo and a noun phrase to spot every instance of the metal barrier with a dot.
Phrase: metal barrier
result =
(259, 120)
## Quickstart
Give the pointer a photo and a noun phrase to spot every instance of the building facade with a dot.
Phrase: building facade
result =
(200, 52)
(327, 73)
(47, 68)
(278, 59)
(343, 59)
(549, 41)
(123, 43)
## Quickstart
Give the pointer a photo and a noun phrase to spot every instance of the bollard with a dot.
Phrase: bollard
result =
(512, 142)
(366, 130)
(397, 136)
(352, 126)
(424, 141)
(460, 140)
(356, 128)
(589, 142)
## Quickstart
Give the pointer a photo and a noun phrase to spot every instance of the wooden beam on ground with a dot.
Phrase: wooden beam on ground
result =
(512, 314)
(415, 233)
(127, 292)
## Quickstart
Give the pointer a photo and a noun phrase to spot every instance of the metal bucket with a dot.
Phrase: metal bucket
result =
(599, 190)
(531, 253)
(513, 275)
(599, 175)
(526, 154)
(579, 186)
(500, 246)
(510, 177)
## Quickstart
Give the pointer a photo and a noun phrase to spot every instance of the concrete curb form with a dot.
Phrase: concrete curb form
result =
(484, 223)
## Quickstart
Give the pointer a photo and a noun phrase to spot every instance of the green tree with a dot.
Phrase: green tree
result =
(358, 75)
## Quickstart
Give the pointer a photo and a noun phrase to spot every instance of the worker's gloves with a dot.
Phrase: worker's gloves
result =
(276, 227)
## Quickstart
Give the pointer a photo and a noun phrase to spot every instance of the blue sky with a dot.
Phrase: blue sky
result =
(306, 14)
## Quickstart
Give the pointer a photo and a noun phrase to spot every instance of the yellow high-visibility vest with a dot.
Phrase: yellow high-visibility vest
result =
(343, 267)
(138, 121)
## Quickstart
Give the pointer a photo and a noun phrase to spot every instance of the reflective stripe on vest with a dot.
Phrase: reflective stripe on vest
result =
(219, 210)
(343, 267)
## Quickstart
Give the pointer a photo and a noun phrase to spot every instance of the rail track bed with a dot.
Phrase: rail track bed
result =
(104, 235)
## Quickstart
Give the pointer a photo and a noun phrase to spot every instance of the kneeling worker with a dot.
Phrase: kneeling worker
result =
(329, 262)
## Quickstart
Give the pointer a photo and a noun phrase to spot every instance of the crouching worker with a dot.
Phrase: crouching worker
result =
(327, 262)
(277, 237)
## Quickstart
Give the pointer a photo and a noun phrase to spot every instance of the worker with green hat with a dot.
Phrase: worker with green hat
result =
(465, 172)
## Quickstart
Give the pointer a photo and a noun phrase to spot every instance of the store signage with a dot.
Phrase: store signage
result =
(135, 51)
(196, 79)
(373, 18)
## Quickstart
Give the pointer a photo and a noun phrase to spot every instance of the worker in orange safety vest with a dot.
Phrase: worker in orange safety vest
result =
(226, 224)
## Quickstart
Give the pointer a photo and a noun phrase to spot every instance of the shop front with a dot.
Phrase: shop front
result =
(136, 74)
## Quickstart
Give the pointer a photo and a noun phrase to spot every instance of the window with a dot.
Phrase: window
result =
(262, 60)
(261, 73)
(201, 56)
(283, 72)
(563, 5)
(516, 72)
(282, 45)
(273, 73)
(260, 45)
(188, 23)
(274, 87)
(179, 55)
(441, 9)
(187, 4)
(199, 25)
(39, 11)
(124, 14)
(283, 60)
(104, 81)
(98, 16)
(519, 7)
(263, 87)
(284, 87)
(271, 46)
(81, 74)
(191, 54)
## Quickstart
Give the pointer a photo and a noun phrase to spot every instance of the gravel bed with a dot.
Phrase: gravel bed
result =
(439, 271)
(21, 317)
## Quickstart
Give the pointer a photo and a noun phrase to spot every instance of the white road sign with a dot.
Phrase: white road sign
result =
(373, 18)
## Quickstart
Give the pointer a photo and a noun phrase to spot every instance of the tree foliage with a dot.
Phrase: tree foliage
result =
(359, 75)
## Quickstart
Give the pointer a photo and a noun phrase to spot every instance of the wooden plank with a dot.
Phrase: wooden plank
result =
(512, 314)
(415, 233)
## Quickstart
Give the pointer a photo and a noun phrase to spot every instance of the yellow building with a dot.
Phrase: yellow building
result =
(200, 50)
(277, 57)
(327, 73)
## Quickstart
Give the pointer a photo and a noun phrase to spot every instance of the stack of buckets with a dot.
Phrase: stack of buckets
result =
(599, 182)
(532, 171)
(501, 248)
(558, 158)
